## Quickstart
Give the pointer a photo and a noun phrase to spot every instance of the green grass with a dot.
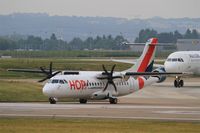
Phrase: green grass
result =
(58, 64)
(18, 91)
(69, 125)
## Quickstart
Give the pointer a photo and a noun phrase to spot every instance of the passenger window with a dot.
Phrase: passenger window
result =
(179, 60)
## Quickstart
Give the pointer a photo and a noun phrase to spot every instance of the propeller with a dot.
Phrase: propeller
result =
(49, 73)
(109, 77)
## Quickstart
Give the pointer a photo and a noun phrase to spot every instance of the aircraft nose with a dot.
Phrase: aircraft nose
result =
(47, 90)
(170, 67)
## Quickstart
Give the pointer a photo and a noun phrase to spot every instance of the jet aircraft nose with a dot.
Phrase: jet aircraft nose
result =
(169, 67)
(173, 67)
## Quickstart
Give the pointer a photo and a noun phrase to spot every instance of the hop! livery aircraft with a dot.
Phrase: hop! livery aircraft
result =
(183, 61)
(85, 85)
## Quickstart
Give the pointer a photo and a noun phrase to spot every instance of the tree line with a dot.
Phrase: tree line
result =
(100, 42)
(53, 43)
(166, 37)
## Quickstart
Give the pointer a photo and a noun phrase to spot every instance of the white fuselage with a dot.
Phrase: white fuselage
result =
(86, 85)
(183, 61)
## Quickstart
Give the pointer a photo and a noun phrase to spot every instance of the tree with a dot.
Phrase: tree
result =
(188, 34)
(195, 34)
(53, 37)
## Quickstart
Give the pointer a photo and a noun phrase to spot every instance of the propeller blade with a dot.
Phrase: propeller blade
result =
(55, 73)
(113, 67)
(114, 86)
(50, 68)
(105, 87)
(105, 69)
(44, 71)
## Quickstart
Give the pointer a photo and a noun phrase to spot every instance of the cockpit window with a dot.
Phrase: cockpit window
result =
(55, 81)
(174, 59)
(61, 82)
(180, 60)
(169, 59)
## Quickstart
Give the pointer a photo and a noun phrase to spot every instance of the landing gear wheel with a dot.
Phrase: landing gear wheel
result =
(181, 83)
(52, 100)
(178, 82)
(175, 83)
(113, 100)
(83, 101)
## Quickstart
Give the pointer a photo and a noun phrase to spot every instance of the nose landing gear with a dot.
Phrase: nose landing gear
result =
(53, 100)
(178, 82)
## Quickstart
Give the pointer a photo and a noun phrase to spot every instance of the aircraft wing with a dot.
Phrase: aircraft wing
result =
(152, 73)
(26, 70)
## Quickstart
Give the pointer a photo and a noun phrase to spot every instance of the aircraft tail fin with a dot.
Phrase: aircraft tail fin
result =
(146, 60)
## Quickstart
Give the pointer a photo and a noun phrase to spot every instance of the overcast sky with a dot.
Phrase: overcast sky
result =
(111, 8)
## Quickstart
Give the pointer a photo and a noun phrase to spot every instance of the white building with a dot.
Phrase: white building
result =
(188, 44)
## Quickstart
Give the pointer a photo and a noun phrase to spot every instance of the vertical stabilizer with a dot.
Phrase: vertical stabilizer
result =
(146, 60)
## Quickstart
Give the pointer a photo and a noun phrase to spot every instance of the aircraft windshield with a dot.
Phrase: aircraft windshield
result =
(175, 60)
(57, 81)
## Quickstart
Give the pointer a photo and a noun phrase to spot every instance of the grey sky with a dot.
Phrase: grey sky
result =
(114, 8)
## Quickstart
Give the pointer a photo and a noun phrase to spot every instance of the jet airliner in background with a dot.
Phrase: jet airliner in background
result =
(105, 84)
(183, 61)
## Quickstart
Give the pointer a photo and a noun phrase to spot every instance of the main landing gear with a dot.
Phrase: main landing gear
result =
(178, 82)
(83, 101)
(52, 100)
(113, 100)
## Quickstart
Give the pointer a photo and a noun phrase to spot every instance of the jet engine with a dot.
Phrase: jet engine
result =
(160, 77)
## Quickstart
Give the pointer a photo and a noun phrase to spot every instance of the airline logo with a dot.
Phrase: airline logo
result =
(148, 55)
(77, 84)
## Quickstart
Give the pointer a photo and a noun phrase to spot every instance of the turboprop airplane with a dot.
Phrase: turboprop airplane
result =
(183, 61)
(105, 84)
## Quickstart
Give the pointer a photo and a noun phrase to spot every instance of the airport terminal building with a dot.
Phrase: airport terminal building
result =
(188, 44)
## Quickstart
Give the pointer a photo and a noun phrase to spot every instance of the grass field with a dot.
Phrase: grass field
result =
(69, 125)
(21, 91)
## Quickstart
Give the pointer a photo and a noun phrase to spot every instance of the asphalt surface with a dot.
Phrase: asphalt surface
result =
(158, 102)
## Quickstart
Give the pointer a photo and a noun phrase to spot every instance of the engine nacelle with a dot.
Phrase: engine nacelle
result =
(161, 77)
(100, 95)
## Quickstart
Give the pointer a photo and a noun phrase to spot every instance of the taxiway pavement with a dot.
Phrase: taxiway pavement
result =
(159, 102)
